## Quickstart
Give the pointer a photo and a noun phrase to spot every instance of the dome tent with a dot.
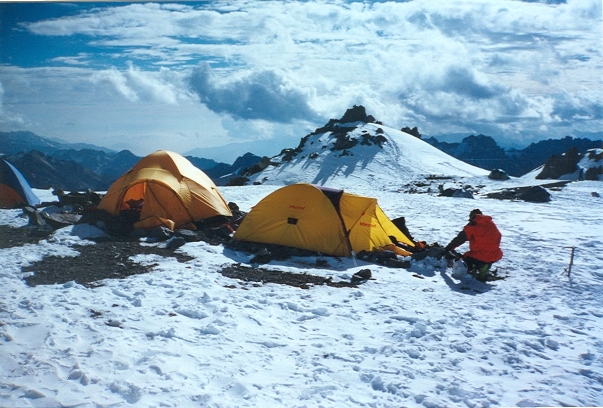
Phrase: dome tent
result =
(320, 219)
(14, 189)
(173, 192)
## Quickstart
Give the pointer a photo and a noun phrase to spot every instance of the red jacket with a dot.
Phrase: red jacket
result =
(484, 239)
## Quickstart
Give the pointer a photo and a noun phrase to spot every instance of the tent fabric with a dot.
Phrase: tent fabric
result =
(320, 219)
(175, 193)
(14, 189)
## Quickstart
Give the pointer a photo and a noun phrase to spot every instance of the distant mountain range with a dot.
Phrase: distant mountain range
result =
(49, 163)
(482, 151)
(52, 163)
(363, 148)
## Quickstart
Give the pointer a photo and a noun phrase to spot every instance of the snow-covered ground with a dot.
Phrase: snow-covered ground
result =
(181, 336)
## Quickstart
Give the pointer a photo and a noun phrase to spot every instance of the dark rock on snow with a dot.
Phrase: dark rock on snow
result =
(536, 194)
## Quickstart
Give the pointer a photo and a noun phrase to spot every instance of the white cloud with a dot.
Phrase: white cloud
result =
(260, 95)
(135, 84)
(82, 59)
(117, 80)
(9, 120)
(154, 85)
(461, 65)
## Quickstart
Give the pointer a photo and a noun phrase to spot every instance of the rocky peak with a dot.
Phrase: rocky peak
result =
(356, 114)
(414, 131)
(352, 115)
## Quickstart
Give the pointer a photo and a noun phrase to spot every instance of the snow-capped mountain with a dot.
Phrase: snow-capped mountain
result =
(361, 152)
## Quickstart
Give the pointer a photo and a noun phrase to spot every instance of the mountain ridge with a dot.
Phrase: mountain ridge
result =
(78, 166)
(484, 152)
(99, 166)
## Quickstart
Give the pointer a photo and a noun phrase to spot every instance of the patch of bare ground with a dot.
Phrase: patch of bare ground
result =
(110, 258)
(13, 237)
(262, 275)
(103, 260)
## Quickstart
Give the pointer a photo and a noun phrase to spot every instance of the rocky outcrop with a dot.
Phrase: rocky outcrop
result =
(414, 131)
(557, 166)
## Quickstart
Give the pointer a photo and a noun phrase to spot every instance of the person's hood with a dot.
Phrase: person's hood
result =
(482, 219)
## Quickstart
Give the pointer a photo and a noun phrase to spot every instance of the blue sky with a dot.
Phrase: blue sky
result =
(236, 76)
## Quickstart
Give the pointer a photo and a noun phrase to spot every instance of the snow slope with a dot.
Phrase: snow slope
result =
(399, 158)
(413, 338)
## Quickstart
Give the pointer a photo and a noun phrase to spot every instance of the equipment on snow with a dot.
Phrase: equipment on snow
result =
(459, 269)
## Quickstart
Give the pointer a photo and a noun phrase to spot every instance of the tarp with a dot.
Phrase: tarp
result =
(175, 193)
(320, 219)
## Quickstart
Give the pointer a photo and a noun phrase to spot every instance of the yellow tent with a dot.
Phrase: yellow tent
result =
(321, 219)
(175, 193)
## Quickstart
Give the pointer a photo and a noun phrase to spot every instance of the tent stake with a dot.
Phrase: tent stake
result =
(569, 268)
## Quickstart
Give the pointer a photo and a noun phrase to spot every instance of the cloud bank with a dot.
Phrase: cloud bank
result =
(264, 95)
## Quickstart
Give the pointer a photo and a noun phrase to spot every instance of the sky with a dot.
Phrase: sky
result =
(229, 77)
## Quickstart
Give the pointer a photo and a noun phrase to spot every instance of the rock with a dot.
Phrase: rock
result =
(557, 166)
(414, 131)
(498, 174)
(462, 194)
(188, 235)
(175, 242)
(262, 256)
(363, 274)
(356, 114)
(160, 233)
(536, 194)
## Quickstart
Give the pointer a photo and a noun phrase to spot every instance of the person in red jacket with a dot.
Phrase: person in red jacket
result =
(484, 243)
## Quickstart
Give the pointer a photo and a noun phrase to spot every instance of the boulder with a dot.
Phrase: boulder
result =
(175, 242)
(498, 174)
(536, 194)
(462, 194)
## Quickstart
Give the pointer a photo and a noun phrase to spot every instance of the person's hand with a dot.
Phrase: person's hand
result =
(445, 254)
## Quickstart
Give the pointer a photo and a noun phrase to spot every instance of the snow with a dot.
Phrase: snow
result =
(184, 335)
(403, 157)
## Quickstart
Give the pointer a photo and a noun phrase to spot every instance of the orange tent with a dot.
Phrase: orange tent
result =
(172, 192)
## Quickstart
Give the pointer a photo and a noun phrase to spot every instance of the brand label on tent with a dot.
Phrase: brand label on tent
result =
(366, 224)
(296, 207)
